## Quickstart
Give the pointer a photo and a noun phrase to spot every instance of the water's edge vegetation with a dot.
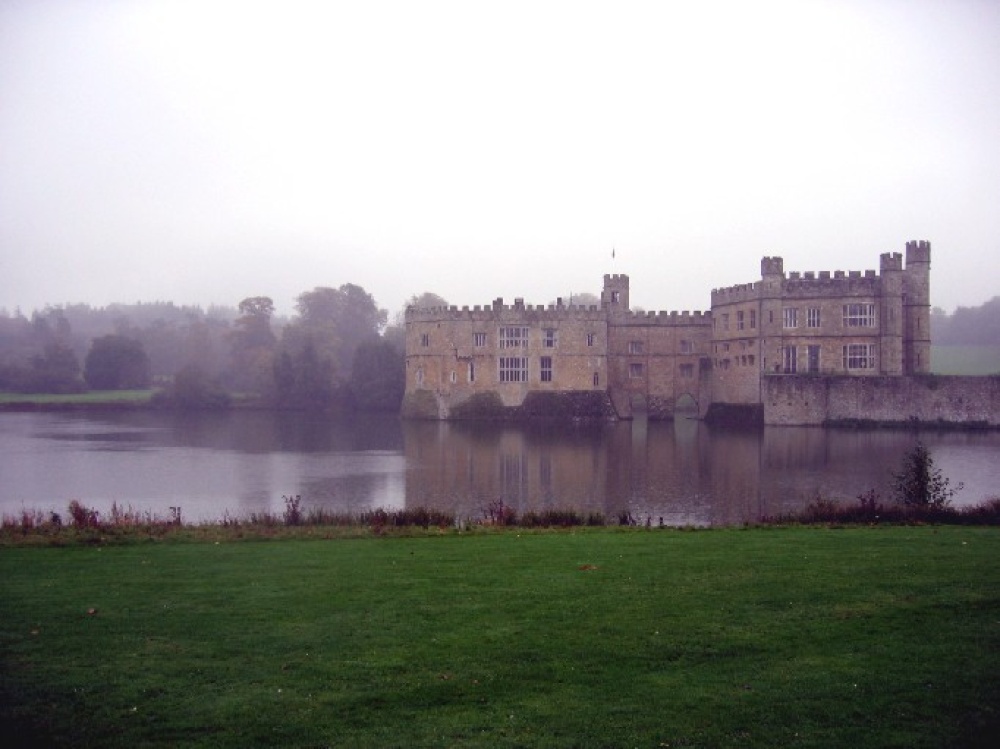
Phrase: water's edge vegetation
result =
(85, 525)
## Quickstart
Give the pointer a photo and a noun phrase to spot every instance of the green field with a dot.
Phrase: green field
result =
(93, 397)
(965, 360)
(797, 637)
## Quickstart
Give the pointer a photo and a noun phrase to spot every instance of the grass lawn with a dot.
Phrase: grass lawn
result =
(94, 396)
(965, 360)
(790, 637)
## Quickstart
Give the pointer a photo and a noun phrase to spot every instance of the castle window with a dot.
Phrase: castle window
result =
(615, 297)
(789, 359)
(635, 370)
(546, 368)
(812, 317)
(479, 339)
(687, 370)
(472, 371)
(753, 319)
(686, 347)
(513, 337)
(790, 317)
(549, 340)
(859, 356)
(590, 339)
(725, 321)
(425, 339)
(513, 369)
(740, 323)
(454, 377)
(859, 315)
(635, 347)
(812, 359)
(597, 379)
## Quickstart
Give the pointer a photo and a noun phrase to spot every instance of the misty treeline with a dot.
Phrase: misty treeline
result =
(338, 351)
(967, 326)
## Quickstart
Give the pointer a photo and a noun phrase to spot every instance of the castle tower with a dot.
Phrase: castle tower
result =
(772, 273)
(614, 296)
(917, 308)
(891, 316)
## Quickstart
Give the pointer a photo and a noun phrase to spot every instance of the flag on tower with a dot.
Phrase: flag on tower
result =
(612, 253)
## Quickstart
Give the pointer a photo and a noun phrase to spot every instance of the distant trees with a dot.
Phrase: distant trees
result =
(317, 349)
(116, 362)
(338, 350)
(967, 326)
(378, 376)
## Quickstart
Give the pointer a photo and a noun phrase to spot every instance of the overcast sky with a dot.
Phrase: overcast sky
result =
(203, 152)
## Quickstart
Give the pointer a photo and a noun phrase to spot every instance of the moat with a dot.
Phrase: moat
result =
(237, 463)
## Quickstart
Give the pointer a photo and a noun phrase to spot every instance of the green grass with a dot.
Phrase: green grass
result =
(965, 360)
(798, 637)
(95, 396)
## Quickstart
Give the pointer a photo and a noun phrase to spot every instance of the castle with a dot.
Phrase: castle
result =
(761, 344)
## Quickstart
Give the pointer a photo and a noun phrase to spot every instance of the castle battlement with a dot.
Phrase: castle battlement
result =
(664, 318)
(918, 251)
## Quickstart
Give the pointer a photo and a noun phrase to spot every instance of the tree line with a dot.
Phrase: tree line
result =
(967, 326)
(339, 351)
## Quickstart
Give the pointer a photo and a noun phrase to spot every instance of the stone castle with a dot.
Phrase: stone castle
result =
(789, 348)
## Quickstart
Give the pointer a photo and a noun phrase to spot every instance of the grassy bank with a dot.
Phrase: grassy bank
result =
(594, 637)
(93, 398)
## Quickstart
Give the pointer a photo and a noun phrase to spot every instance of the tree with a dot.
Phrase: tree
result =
(378, 376)
(336, 322)
(116, 362)
(193, 389)
(56, 370)
(919, 483)
(252, 345)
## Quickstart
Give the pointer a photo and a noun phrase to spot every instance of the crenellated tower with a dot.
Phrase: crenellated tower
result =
(614, 295)
(891, 316)
(917, 308)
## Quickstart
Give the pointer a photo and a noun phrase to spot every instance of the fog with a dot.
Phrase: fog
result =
(204, 152)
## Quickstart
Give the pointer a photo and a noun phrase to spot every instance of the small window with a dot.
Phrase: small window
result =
(812, 359)
(687, 370)
(472, 371)
(635, 347)
(812, 317)
(790, 317)
(635, 370)
(725, 321)
(546, 369)
(597, 379)
(549, 338)
(740, 321)
(454, 377)
(789, 357)
(753, 319)
(686, 347)
(425, 339)
(590, 339)
(479, 339)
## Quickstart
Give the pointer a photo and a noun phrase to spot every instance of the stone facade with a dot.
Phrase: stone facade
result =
(495, 359)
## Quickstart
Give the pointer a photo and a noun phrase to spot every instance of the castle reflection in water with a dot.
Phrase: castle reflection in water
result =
(681, 472)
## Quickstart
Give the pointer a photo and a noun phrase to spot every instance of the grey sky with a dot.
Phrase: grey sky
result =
(203, 152)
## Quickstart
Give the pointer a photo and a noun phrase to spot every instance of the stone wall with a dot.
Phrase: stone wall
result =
(929, 399)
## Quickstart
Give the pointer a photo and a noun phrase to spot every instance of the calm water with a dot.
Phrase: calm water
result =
(237, 463)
